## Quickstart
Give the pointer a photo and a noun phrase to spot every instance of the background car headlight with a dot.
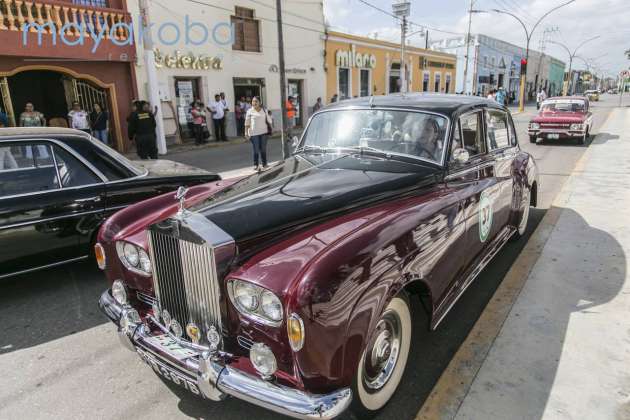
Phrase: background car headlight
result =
(576, 126)
(256, 302)
(134, 258)
(534, 126)
(119, 292)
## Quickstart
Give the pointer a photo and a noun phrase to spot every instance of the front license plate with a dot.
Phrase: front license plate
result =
(169, 345)
(553, 136)
(168, 373)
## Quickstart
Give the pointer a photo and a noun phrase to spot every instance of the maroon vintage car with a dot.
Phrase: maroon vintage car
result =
(290, 288)
(562, 118)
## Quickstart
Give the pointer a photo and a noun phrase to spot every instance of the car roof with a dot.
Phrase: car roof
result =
(567, 98)
(447, 104)
(31, 132)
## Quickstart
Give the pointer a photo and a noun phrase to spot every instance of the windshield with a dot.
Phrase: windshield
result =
(564, 106)
(415, 134)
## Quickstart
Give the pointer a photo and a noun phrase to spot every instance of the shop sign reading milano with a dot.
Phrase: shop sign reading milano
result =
(351, 58)
(187, 61)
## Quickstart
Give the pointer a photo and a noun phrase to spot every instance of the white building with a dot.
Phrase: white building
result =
(232, 47)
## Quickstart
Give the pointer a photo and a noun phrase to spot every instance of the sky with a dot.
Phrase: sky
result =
(570, 25)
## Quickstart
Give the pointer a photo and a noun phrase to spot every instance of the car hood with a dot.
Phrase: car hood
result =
(161, 168)
(310, 188)
(559, 117)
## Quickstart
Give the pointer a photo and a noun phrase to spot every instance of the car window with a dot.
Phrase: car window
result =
(72, 172)
(471, 133)
(105, 162)
(497, 129)
(26, 168)
(513, 137)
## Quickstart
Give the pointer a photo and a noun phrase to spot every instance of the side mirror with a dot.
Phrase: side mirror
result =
(460, 155)
(295, 141)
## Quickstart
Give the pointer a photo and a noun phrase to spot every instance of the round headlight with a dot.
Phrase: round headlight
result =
(246, 295)
(131, 254)
(576, 126)
(263, 359)
(145, 261)
(119, 292)
(271, 306)
(534, 126)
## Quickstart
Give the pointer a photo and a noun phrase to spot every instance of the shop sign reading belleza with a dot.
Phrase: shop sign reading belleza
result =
(187, 61)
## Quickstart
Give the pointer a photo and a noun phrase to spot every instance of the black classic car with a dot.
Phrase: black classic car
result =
(292, 288)
(58, 185)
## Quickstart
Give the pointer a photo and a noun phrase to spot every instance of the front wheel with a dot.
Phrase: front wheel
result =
(532, 139)
(383, 361)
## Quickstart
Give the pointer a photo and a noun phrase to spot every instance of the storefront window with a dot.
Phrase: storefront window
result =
(365, 82)
(186, 90)
(447, 81)
(344, 83)
(425, 82)
(436, 88)
(394, 78)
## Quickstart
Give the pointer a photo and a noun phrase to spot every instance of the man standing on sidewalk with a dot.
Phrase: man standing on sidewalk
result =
(290, 116)
(141, 129)
(226, 110)
(218, 109)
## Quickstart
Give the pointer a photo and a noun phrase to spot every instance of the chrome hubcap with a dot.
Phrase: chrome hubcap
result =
(523, 225)
(382, 352)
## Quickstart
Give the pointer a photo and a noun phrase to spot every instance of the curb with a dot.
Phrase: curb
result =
(453, 385)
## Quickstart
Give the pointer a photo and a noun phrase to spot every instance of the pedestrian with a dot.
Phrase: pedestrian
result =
(141, 130)
(226, 111)
(334, 98)
(500, 96)
(491, 95)
(4, 119)
(217, 108)
(78, 118)
(540, 97)
(258, 125)
(318, 105)
(198, 114)
(240, 112)
(99, 120)
(31, 118)
(290, 116)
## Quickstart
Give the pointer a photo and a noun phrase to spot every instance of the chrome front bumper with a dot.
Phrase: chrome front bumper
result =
(562, 132)
(207, 376)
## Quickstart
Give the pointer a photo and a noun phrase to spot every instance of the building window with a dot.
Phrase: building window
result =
(246, 30)
(93, 3)
(485, 61)
(494, 62)
(344, 83)
(394, 78)
(365, 79)
(447, 83)
(437, 77)
(425, 82)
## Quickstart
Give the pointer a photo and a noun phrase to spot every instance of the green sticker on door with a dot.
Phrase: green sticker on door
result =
(485, 216)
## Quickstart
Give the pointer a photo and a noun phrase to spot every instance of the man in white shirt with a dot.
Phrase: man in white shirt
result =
(540, 98)
(218, 109)
(78, 118)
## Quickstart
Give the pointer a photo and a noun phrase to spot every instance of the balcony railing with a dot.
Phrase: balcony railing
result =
(62, 16)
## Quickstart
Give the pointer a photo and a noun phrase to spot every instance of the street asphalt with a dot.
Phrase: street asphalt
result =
(59, 358)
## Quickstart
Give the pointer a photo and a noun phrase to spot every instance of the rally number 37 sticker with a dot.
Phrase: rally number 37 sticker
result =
(485, 216)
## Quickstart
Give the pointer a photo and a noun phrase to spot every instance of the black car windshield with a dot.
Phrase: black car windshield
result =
(409, 133)
(567, 105)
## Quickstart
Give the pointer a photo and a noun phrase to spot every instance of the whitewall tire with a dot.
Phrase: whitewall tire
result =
(384, 360)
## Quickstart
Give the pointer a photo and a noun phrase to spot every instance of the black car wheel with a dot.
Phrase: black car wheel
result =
(532, 139)
(383, 361)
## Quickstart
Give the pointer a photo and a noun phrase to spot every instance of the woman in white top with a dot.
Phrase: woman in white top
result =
(258, 125)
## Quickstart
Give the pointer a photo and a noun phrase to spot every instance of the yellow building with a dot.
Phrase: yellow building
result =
(360, 66)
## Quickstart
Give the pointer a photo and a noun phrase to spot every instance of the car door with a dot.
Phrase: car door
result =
(502, 149)
(44, 198)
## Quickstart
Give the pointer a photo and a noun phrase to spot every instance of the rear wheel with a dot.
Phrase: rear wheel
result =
(525, 207)
(383, 361)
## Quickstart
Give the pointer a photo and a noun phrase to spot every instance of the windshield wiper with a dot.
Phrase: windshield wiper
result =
(311, 148)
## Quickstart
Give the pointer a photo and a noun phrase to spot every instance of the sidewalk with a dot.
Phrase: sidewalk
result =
(564, 350)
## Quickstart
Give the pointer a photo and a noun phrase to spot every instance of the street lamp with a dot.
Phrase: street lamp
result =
(528, 35)
(568, 88)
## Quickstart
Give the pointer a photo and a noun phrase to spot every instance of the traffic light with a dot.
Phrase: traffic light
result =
(523, 65)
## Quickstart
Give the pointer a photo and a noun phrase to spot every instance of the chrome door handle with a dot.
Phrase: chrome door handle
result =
(85, 200)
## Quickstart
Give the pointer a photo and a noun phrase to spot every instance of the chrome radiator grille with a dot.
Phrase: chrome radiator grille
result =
(185, 281)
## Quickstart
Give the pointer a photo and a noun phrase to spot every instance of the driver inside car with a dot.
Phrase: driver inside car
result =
(425, 136)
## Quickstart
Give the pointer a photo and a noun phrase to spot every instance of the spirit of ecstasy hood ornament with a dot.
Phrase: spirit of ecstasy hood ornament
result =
(181, 197)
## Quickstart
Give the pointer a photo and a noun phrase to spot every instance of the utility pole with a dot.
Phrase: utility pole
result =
(152, 79)
(470, 13)
(401, 11)
(543, 46)
(283, 83)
